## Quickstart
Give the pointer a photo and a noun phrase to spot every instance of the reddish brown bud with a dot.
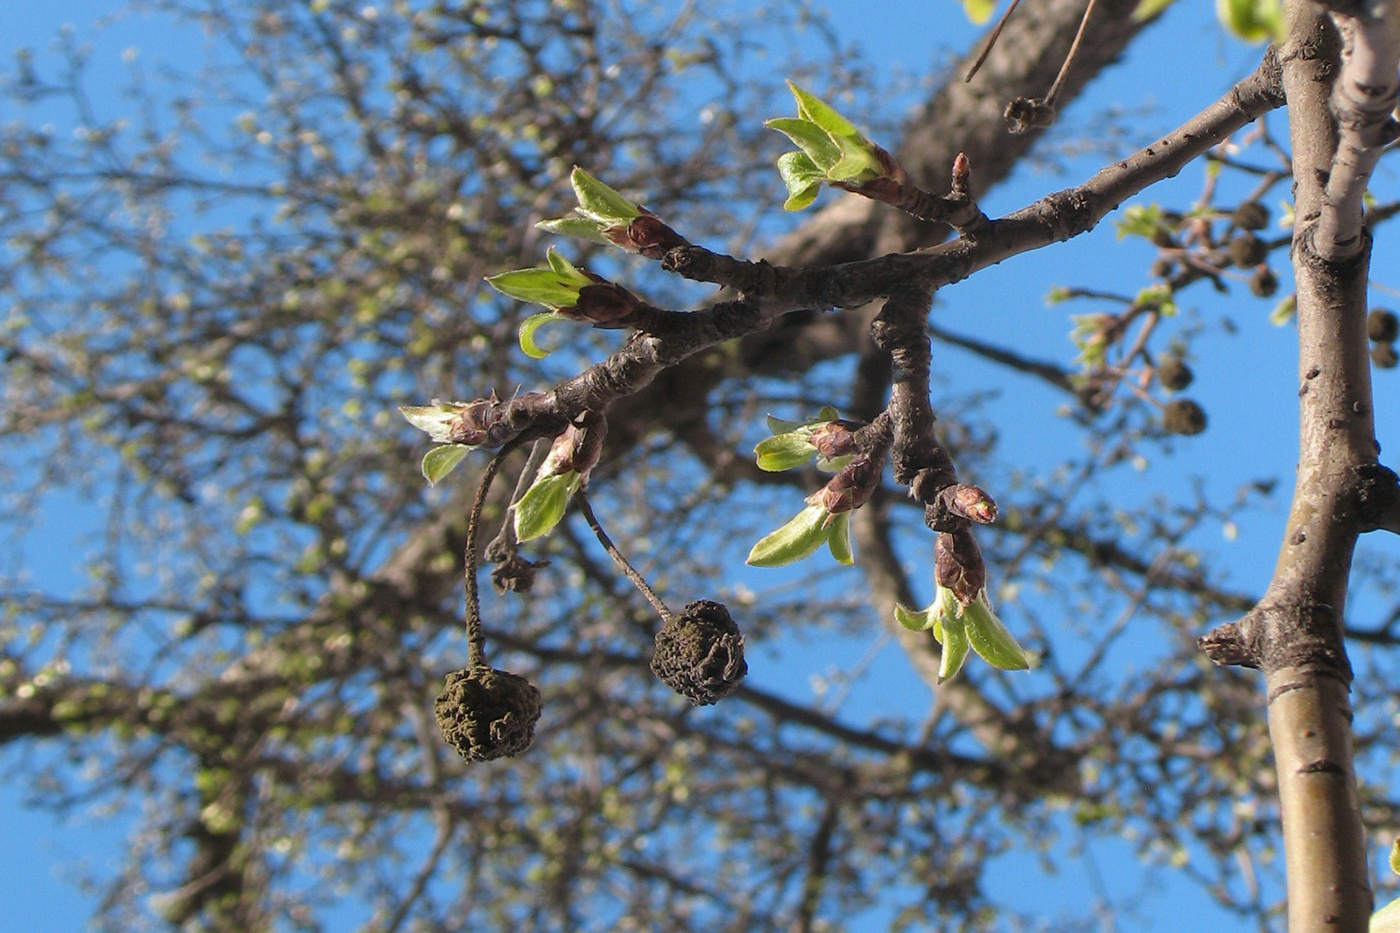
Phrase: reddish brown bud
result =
(578, 448)
(851, 487)
(476, 419)
(652, 238)
(604, 305)
(835, 439)
(973, 504)
(958, 564)
(962, 173)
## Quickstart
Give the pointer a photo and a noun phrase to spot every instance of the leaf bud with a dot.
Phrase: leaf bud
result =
(958, 564)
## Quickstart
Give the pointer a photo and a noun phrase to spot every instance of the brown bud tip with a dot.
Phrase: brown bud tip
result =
(1173, 374)
(700, 653)
(851, 487)
(973, 504)
(1382, 325)
(652, 238)
(835, 438)
(1183, 416)
(485, 713)
(962, 172)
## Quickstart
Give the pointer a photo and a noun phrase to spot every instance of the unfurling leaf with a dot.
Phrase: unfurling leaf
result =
(575, 226)
(914, 621)
(597, 201)
(544, 504)
(838, 538)
(952, 635)
(556, 286)
(799, 538)
(990, 638)
(527, 333)
(813, 108)
(784, 451)
(441, 461)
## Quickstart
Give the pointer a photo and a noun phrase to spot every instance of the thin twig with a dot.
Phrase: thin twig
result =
(991, 41)
(1069, 58)
(627, 569)
(476, 633)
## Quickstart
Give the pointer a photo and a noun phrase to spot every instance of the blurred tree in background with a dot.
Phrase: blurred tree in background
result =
(219, 294)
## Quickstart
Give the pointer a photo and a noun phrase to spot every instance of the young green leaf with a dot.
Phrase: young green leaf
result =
(576, 226)
(815, 143)
(538, 286)
(799, 538)
(813, 108)
(597, 201)
(527, 333)
(1146, 9)
(857, 165)
(435, 419)
(564, 268)
(441, 461)
(544, 504)
(784, 451)
(953, 638)
(802, 179)
(914, 621)
(990, 638)
(838, 538)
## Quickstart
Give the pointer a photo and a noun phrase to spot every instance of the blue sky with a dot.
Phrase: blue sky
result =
(1245, 441)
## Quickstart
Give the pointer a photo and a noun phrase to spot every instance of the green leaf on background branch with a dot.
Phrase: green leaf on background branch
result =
(979, 11)
(1146, 9)
(440, 461)
(1253, 20)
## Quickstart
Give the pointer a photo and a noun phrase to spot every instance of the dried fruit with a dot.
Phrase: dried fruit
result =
(700, 653)
(1263, 283)
(1251, 215)
(1183, 416)
(1247, 250)
(1382, 326)
(1173, 374)
(485, 713)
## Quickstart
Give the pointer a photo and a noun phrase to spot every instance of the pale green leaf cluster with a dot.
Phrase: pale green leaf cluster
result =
(978, 11)
(791, 444)
(554, 286)
(831, 150)
(436, 419)
(963, 628)
(803, 535)
(600, 208)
